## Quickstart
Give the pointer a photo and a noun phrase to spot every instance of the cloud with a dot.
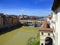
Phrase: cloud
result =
(35, 12)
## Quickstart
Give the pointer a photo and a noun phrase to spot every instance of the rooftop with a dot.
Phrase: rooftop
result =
(56, 4)
(44, 26)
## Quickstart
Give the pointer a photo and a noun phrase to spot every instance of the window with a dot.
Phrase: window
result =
(42, 33)
(48, 41)
(41, 43)
(48, 34)
(48, 25)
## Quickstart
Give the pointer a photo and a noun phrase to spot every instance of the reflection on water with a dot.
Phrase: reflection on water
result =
(39, 24)
(31, 25)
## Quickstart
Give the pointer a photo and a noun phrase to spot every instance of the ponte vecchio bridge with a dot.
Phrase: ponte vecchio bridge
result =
(34, 22)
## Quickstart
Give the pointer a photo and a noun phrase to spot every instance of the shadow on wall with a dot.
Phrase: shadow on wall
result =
(11, 28)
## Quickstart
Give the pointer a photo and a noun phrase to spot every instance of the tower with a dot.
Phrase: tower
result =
(46, 33)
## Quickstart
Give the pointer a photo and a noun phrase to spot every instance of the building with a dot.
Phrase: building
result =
(25, 17)
(56, 20)
(15, 19)
(54, 24)
(1, 20)
(20, 17)
(46, 32)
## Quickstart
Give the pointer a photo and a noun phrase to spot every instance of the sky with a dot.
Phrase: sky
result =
(27, 7)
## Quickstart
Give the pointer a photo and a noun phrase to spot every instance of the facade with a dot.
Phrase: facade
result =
(25, 17)
(15, 19)
(20, 17)
(1, 23)
(7, 21)
(46, 32)
(1, 20)
(56, 20)
(10, 20)
(46, 37)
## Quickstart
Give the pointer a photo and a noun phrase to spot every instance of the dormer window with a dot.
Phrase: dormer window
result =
(48, 25)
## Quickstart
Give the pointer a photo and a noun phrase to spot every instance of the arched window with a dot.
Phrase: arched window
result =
(48, 41)
(41, 43)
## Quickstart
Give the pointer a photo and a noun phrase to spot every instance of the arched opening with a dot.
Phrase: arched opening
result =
(48, 41)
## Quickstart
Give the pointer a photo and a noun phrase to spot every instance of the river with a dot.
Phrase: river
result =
(18, 36)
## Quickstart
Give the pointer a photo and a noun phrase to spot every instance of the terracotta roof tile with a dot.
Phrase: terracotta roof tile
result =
(44, 26)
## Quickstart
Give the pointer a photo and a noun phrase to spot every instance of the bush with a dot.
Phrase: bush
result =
(34, 41)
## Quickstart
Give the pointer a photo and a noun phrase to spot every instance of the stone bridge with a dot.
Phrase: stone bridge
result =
(34, 22)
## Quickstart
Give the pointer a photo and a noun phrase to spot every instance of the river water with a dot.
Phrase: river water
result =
(31, 25)
(18, 36)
